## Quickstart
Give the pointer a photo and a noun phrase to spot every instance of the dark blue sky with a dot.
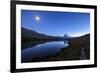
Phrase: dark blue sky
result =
(56, 23)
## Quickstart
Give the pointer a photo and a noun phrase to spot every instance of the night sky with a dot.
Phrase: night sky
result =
(56, 23)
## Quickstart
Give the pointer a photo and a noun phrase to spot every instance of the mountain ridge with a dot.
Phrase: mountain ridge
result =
(31, 34)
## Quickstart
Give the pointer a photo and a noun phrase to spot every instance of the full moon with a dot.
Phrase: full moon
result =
(37, 18)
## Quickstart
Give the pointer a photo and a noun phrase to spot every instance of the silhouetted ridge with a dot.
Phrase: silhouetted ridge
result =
(31, 34)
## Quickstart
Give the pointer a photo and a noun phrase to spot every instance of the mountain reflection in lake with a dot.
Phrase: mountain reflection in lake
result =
(34, 50)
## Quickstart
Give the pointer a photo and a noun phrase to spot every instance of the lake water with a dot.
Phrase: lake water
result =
(31, 50)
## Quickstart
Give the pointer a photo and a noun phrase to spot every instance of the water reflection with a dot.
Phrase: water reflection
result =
(39, 49)
(66, 43)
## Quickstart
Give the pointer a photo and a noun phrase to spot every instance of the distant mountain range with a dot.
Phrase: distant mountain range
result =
(27, 34)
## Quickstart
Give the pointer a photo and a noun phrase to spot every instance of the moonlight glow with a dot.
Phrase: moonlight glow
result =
(56, 23)
(37, 18)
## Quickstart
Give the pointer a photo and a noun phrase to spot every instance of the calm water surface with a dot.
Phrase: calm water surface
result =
(39, 50)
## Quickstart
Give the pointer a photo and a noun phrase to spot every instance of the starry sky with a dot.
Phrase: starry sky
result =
(56, 23)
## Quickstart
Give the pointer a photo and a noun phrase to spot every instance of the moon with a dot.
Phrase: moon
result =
(37, 18)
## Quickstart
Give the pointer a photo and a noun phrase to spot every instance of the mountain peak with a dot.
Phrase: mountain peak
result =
(65, 35)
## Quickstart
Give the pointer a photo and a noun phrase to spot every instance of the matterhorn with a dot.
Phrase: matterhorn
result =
(66, 36)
